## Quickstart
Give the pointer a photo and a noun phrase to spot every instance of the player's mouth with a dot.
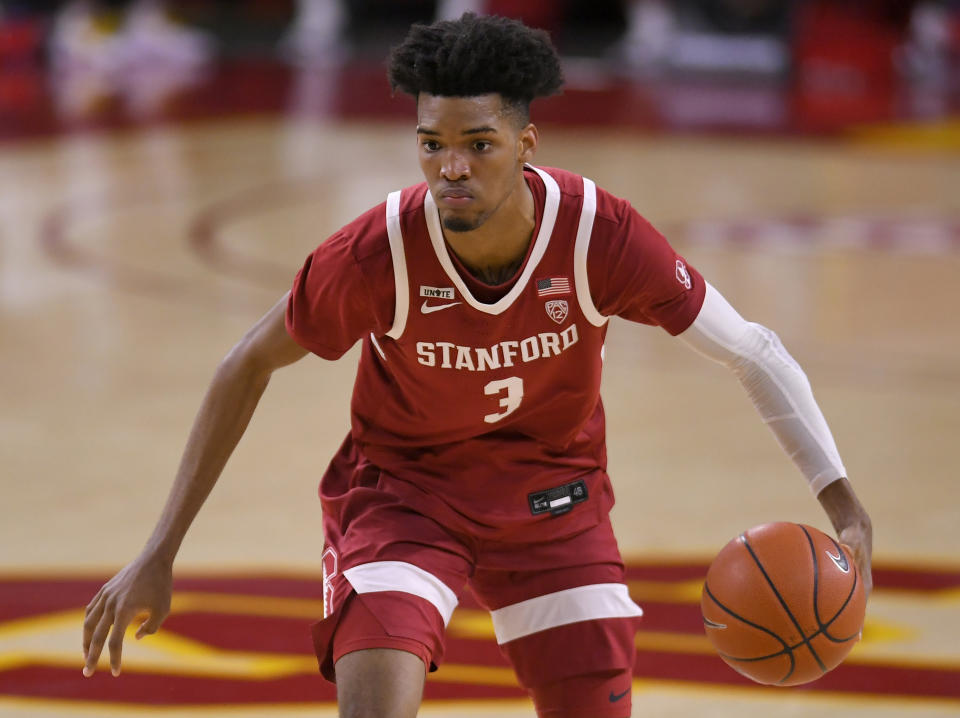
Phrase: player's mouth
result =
(455, 197)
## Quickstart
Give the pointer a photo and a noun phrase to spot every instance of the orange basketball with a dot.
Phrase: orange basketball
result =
(783, 604)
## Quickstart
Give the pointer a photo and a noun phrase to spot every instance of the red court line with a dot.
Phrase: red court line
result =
(847, 678)
(170, 690)
(25, 596)
(276, 634)
(206, 226)
(55, 240)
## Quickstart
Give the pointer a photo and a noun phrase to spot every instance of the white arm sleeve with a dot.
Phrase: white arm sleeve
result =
(774, 382)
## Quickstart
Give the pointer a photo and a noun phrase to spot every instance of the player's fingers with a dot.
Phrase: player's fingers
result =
(866, 575)
(92, 617)
(96, 599)
(116, 640)
(97, 638)
(863, 567)
(150, 625)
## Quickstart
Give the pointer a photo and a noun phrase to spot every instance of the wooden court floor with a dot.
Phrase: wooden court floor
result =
(131, 262)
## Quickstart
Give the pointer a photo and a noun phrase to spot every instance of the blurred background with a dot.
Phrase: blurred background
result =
(802, 66)
(166, 166)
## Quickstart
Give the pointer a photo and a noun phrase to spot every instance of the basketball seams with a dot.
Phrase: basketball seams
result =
(734, 614)
(806, 639)
(822, 628)
(816, 579)
(792, 577)
(787, 649)
(853, 588)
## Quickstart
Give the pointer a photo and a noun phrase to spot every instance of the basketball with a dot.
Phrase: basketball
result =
(783, 604)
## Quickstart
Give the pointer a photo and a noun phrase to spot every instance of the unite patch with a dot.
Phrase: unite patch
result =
(437, 292)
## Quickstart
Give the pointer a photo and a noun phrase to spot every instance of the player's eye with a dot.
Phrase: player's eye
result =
(482, 145)
(431, 145)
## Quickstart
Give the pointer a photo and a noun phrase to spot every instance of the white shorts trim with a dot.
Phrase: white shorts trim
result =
(584, 603)
(406, 578)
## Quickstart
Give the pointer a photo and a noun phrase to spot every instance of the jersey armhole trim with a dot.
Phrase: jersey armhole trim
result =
(401, 285)
(584, 230)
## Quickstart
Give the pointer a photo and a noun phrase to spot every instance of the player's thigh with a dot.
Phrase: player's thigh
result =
(563, 617)
(379, 682)
(579, 669)
(391, 576)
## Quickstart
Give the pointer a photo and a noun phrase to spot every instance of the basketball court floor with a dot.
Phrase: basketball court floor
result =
(131, 261)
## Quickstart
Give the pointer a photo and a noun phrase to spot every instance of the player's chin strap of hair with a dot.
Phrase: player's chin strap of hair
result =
(775, 383)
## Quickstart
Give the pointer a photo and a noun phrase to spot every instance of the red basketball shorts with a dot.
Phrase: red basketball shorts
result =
(560, 608)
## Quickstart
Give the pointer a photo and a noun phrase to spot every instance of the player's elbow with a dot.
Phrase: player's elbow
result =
(761, 346)
(267, 346)
(241, 363)
(248, 360)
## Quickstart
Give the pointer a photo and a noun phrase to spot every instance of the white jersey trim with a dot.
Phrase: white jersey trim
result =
(376, 345)
(550, 209)
(582, 247)
(584, 603)
(400, 576)
(402, 286)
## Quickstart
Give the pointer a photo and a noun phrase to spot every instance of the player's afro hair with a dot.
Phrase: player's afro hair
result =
(477, 55)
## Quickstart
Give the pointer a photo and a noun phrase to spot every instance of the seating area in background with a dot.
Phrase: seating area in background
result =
(768, 65)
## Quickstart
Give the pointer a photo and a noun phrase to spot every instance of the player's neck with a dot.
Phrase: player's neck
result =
(494, 251)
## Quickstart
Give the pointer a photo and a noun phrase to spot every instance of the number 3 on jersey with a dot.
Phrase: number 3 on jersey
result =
(512, 387)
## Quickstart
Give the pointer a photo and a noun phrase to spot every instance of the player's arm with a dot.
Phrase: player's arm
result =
(779, 389)
(144, 586)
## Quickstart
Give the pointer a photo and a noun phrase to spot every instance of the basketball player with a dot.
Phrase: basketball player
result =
(476, 452)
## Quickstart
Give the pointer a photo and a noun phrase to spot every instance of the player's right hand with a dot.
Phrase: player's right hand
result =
(142, 588)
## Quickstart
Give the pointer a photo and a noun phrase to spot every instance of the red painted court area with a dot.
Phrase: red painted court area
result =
(263, 622)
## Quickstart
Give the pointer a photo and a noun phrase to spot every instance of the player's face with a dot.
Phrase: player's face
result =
(472, 152)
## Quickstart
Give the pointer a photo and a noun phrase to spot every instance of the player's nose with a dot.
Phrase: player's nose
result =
(455, 166)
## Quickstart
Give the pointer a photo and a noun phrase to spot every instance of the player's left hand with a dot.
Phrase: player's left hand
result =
(852, 524)
(858, 541)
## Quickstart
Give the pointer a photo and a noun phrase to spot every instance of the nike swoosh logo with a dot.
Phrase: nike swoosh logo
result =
(428, 308)
(840, 560)
(713, 624)
(614, 697)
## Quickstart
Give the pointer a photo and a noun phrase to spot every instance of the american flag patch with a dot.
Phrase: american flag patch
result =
(553, 285)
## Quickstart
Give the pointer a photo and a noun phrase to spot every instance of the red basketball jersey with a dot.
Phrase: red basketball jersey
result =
(471, 404)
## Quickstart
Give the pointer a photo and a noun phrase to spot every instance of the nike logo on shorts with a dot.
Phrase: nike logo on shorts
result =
(428, 308)
(614, 697)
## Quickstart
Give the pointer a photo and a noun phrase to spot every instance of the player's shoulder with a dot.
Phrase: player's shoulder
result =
(609, 208)
(411, 199)
(367, 235)
(570, 183)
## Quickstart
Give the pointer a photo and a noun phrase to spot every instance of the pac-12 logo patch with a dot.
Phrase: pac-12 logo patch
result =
(557, 310)
(683, 276)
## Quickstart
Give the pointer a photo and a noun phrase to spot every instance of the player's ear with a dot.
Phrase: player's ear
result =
(527, 143)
